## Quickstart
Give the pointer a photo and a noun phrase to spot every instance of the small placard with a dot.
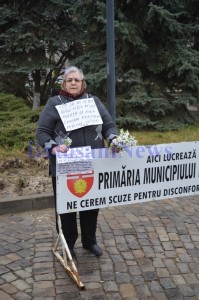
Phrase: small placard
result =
(75, 161)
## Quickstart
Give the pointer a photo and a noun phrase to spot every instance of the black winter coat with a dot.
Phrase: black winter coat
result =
(51, 129)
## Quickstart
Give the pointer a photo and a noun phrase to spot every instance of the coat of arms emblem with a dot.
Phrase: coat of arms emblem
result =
(80, 184)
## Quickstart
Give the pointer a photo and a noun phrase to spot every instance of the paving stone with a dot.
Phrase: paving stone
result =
(42, 284)
(149, 276)
(146, 265)
(40, 271)
(178, 279)
(143, 291)
(44, 277)
(5, 296)
(158, 263)
(135, 270)
(1, 281)
(13, 256)
(91, 276)
(195, 288)
(117, 259)
(155, 287)
(122, 277)
(174, 294)
(122, 247)
(191, 278)
(167, 283)
(29, 281)
(96, 294)
(3, 251)
(109, 243)
(183, 267)
(185, 238)
(114, 296)
(107, 276)
(161, 296)
(173, 270)
(93, 285)
(120, 267)
(127, 290)
(106, 265)
(150, 255)
(158, 249)
(147, 249)
(22, 296)
(8, 288)
(162, 272)
(21, 285)
(186, 290)
(9, 277)
(173, 236)
(184, 258)
(193, 252)
(191, 298)
(195, 238)
(144, 242)
(43, 265)
(72, 296)
(138, 253)
(177, 244)
(137, 280)
(12, 247)
(43, 259)
(182, 231)
(23, 274)
(194, 267)
(128, 257)
(170, 254)
(189, 246)
(112, 250)
(110, 286)
(44, 292)
(131, 263)
(4, 260)
(163, 237)
(181, 250)
(167, 246)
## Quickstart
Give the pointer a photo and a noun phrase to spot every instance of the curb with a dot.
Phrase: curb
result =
(26, 203)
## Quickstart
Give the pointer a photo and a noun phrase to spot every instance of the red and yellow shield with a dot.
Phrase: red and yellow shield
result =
(80, 184)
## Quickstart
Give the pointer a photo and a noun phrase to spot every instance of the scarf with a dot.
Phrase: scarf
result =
(66, 94)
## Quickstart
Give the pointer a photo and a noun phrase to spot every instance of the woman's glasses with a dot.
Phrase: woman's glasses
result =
(73, 79)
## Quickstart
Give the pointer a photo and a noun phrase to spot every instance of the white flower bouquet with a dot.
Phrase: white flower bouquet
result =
(67, 142)
(124, 140)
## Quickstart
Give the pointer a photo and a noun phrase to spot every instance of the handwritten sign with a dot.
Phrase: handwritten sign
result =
(75, 160)
(79, 113)
(143, 173)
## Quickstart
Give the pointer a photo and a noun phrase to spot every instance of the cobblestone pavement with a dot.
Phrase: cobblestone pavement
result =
(151, 251)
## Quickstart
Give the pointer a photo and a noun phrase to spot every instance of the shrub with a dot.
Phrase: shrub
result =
(18, 122)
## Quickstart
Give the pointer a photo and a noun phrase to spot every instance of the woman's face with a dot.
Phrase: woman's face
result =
(73, 83)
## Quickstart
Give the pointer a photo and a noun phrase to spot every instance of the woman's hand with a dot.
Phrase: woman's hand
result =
(114, 146)
(60, 148)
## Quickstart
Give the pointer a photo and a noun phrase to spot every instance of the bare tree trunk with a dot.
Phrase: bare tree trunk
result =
(37, 80)
(36, 101)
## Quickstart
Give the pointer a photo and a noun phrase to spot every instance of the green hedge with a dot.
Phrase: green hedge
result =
(18, 122)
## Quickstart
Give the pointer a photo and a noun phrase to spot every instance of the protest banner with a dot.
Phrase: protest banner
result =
(140, 174)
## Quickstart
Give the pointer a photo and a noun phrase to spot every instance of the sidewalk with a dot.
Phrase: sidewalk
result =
(151, 251)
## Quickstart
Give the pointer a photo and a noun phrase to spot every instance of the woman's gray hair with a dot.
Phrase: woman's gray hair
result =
(73, 69)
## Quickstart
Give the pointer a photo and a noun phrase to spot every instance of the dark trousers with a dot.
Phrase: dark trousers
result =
(88, 224)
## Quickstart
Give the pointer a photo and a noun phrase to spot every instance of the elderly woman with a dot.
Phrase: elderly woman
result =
(51, 130)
